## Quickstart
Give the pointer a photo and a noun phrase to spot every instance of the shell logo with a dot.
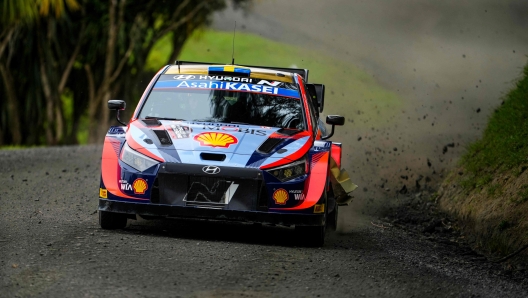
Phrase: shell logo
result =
(140, 186)
(280, 196)
(215, 139)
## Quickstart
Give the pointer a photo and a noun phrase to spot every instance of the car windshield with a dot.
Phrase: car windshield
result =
(216, 105)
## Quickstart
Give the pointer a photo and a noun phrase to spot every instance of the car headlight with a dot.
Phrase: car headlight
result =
(289, 171)
(136, 160)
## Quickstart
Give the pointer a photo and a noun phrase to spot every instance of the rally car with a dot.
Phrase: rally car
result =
(226, 142)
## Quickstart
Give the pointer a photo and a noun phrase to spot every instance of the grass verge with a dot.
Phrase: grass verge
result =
(488, 192)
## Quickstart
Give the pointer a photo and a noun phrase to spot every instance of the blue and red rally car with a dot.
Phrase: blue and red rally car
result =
(223, 142)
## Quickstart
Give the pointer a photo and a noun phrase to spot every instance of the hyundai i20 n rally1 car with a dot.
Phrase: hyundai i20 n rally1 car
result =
(225, 142)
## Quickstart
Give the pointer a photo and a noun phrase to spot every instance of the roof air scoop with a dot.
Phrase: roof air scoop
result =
(151, 122)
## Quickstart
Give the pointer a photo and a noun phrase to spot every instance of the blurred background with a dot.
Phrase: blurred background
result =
(416, 79)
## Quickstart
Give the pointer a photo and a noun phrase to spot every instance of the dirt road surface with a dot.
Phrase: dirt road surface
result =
(51, 246)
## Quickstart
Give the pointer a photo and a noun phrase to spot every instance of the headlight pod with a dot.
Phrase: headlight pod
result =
(136, 160)
(289, 171)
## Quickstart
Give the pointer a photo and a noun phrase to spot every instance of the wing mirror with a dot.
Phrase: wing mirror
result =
(117, 105)
(333, 120)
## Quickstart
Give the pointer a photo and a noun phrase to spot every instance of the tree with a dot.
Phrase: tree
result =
(87, 51)
(17, 18)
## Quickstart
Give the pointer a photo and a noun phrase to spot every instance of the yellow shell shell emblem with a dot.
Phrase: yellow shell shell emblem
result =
(215, 139)
(140, 186)
(280, 196)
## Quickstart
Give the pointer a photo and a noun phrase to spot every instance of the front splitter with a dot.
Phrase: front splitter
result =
(285, 219)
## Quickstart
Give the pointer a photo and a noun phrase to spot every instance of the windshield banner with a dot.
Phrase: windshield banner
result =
(228, 86)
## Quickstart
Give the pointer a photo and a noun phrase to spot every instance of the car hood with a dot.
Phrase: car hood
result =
(216, 143)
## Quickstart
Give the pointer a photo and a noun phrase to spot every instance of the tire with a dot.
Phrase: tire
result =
(112, 221)
(332, 218)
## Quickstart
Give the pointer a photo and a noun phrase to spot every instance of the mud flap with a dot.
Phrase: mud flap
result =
(341, 184)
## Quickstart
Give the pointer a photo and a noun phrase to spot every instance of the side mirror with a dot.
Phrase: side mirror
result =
(118, 105)
(333, 120)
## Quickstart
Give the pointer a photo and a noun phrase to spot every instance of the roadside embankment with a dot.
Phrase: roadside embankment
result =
(488, 191)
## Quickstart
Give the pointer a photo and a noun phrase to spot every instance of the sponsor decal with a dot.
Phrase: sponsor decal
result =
(226, 78)
(139, 186)
(272, 83)
(297, 194)
(229, 127)
(319, 208)
(233, 86)
(280, 196)
(124, 185)
(179, 131)
(116, 130)
(103, 193)
(215, 139)
(213, 78)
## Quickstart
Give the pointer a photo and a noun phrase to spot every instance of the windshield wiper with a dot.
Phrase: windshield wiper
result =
(164, 118)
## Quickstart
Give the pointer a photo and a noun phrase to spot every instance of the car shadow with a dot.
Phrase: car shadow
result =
(222, 231)
(212, 230)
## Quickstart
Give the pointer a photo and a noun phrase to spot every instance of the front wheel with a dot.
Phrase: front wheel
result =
(112, 221)
(333, 218)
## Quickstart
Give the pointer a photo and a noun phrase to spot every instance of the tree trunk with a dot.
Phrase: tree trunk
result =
(12, 105)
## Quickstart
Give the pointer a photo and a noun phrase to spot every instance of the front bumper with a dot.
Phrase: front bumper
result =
(285, 219)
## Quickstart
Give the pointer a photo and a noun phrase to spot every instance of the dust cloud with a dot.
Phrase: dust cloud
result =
(450, 61)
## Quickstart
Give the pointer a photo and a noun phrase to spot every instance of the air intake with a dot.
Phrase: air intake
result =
(213, 156)
(163, 137)
(269, 145)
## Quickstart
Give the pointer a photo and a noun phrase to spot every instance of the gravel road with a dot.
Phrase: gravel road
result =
(51, 246)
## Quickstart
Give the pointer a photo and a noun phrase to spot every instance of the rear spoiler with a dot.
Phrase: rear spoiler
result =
(317, 92)
(302, 72)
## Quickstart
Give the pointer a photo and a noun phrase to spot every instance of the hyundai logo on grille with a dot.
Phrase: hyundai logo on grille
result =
(211, 170)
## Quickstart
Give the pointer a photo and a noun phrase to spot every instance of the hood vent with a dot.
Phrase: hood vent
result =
(269, 145)
(163, 136)
(288, 132)
(151, 122)
(213, 156)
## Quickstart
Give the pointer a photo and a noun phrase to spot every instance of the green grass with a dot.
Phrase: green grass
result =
(504, 144)
(349, 89)
(522, 196)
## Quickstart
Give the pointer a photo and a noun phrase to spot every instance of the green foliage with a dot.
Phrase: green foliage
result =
(504, 144)
(494, 189)
(66, 58)
(522, 196)
(12, 11)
